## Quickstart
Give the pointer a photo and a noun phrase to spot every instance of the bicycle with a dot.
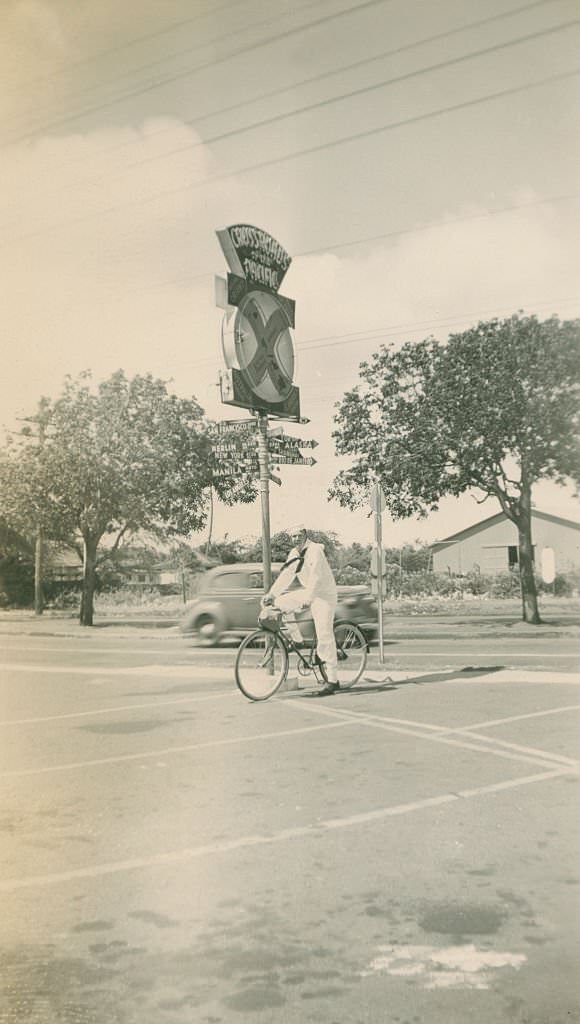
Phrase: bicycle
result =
(263, 658)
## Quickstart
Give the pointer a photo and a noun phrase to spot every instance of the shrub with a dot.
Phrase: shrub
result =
(16, 581)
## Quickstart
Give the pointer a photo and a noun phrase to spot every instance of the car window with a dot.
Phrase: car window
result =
(230, 581)
(256, 581)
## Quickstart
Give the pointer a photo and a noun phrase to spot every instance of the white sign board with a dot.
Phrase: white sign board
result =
(377, 498)
(548, 565)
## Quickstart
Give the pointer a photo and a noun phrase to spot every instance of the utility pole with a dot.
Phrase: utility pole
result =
(39, 543)
(264, 464)
(377, 558)
(41, 420)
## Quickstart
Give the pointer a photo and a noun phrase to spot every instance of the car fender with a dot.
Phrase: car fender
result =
(213, 608)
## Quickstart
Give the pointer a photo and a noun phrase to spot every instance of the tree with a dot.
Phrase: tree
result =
(123, 457)
(28, 501)
(493, 411)
(282, 542)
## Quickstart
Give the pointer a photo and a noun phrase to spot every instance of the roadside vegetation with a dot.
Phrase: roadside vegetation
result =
(411, 588)
(123, 472)
(492, 411)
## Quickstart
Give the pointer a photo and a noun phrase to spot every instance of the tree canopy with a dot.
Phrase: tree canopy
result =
(493, 411)
(121, 457)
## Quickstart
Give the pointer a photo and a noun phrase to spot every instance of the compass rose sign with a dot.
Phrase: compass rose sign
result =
(257, 338)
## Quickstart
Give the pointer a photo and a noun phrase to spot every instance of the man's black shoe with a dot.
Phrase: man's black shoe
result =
(329, 689)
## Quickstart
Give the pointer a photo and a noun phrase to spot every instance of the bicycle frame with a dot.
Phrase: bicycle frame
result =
(292, 647)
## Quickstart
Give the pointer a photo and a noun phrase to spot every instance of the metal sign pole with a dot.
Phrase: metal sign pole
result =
(379, 549)
(263, 459)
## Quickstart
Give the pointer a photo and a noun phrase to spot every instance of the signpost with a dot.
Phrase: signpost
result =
(378, 505)
(258, 351)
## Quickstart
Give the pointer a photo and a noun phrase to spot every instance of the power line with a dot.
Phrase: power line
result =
(376, 334)
(440, 223)
(325, 75)
(514, 208)
(71, 66)
(353, 93)
(102, 54)
(176, 76)
(315, 79)
(309, 151)
(189, 50)
(357, 136)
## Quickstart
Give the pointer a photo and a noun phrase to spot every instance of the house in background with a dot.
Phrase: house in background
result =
(491, 546)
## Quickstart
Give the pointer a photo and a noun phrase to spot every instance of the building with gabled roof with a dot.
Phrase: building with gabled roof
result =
(491, 546)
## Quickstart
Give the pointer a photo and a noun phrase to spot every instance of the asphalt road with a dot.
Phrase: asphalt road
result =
(406, 852)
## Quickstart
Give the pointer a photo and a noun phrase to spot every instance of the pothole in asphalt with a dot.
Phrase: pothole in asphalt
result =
(122, 728)
(454, 918)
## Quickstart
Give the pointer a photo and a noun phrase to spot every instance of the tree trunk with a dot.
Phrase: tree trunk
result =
(530, 611)
(90, 545)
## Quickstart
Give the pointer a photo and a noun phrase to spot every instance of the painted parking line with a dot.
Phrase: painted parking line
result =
(120, 707)
(175, 671)
(519, 748)
(285, 835)
(168, 751)
(420, 731)
(490, 722)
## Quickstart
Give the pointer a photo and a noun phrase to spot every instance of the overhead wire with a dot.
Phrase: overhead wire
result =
(368, 133)
(315, 79)
(440, 223)
(355, 93)
(376, 334)
(366, 61)
(308, 151)
(111, 50)
(187, 72)
(192, 49)
(187, 279)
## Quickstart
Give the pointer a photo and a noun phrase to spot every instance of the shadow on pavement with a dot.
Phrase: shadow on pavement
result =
(386, 683)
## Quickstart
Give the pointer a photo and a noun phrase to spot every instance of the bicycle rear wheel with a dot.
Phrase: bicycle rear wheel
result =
(352, 649)
(261, 665)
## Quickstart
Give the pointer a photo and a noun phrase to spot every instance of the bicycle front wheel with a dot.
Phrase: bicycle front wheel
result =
(261, 665)
(351, 649)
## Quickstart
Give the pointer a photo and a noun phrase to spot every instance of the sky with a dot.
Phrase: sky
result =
(420, 163)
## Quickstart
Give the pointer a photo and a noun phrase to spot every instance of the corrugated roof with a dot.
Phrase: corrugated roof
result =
(499, 517)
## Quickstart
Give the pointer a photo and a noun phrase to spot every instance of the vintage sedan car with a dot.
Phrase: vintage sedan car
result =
(228, 602)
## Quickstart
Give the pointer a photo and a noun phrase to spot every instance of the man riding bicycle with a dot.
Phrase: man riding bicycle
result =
(307, 564)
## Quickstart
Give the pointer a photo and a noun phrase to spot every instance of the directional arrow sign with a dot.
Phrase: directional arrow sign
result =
(300, 442)
(236, 426)
(283, 449)
(282, 444)
(233, 467)
(234, 464)
(293, 460)
(233, 449)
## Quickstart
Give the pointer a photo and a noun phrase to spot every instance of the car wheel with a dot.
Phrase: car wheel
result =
(208, 630)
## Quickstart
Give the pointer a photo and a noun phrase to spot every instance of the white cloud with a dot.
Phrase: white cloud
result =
(90, 289)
